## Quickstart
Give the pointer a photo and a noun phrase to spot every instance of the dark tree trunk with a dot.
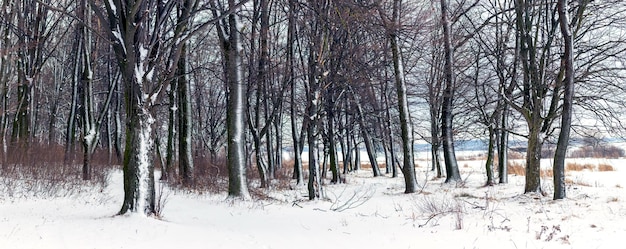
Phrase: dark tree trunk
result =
(533, 161)
(167, 167)
(452, 168)
(185, 164)
(408, 167)
(568, 96)
(490, 157)
(332, 150)
(503, 150)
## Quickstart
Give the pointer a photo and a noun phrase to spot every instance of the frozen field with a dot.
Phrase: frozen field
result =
(364, 213)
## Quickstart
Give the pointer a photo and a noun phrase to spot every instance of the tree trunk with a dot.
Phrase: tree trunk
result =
(185, 164)
(357, 154)
(452, 168)
(332, 150)
(171, 131)
(408, 168)
(235, 115)
(490, 156)
(314, 97)
(139, 191)
(297, 149)
(367, 139)
(568, 96)
(533, 161)
(503, 145)
(70, 132)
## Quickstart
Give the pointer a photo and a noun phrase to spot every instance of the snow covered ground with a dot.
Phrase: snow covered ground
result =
(364, 213)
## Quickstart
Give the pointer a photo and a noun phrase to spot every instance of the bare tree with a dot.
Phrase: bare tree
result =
(392, 32)
(136, 29)
(228, 32)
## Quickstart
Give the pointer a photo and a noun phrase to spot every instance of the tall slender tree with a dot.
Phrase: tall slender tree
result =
(228, 31)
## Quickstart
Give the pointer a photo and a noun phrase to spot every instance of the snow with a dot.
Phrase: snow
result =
(144, 163)
(119, 38)
(113, 7)
(91, 135)
(489, 217)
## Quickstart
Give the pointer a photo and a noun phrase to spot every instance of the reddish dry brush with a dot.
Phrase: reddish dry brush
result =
(41, 170)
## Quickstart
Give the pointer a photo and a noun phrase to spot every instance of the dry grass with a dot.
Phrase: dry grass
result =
(578, 167)
(515, 168)
(577, 182)
(519, 169)
(605, 167)
(547, 173)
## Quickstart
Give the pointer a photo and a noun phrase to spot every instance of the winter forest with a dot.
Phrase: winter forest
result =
(314, 105)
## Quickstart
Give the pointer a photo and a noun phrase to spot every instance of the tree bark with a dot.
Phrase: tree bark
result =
(185, 164)
(139, 191)
(568, 96)
(452, 168)
(503, 145)
(490, 157)
(408, 167)
(236, 157)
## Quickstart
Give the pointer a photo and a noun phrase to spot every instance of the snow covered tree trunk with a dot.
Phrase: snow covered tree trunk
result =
(139, 191)
(314, 185)
(135, 37)
(228, 33)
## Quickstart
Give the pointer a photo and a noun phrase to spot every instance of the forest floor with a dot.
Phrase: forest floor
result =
(365, 212)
